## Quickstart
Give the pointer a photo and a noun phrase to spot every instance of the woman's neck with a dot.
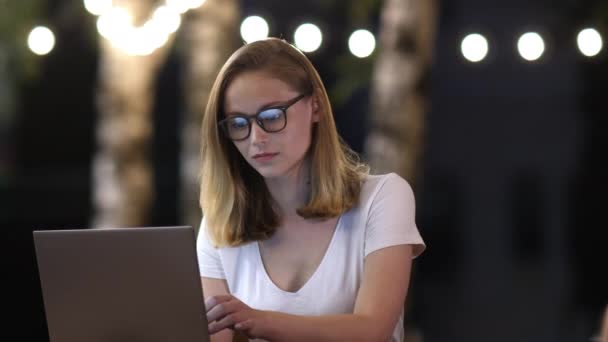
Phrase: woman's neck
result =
(292, 190)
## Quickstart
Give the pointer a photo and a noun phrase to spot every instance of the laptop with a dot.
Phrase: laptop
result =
(121, 284)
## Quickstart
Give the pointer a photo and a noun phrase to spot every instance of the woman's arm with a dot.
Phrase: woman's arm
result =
(378, 305)
(217, 287)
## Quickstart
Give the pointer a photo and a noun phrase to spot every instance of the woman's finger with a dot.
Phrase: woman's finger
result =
(223, 309)
(226, 322)
(211, 302)
(244, 325)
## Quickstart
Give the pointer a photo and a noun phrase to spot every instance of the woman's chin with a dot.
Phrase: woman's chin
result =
(268, 173)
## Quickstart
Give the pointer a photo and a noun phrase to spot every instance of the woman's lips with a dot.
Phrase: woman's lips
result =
(263, 157)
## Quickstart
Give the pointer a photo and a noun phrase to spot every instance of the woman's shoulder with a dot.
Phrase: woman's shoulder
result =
(374, 181)
(375, 185)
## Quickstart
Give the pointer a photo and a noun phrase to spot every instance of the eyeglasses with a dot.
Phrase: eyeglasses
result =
(271, 120)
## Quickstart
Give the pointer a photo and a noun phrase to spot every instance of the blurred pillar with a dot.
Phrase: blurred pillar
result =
(398, 96)
(123, 189)
(7, 113)
(210, 36)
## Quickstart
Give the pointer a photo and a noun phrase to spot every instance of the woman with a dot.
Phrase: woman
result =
(298, 242)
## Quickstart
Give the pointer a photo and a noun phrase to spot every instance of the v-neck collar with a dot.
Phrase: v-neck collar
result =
(267, 278)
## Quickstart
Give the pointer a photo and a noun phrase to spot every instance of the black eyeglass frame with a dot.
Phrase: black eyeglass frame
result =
(223, 123)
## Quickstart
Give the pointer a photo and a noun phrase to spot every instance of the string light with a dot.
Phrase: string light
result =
(361, 43)
(254, 28)
(180, 6)
(589, 42)
(164, 19)
(531, 46)
(308, 37)
(41, 40)
(116, 24)
(113, 23)
(474, 47)
(193, 4)
(98, 7)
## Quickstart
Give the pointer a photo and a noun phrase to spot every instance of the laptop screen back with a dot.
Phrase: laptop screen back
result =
(128, 284)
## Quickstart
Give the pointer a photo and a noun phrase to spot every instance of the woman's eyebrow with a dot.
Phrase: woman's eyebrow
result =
(267, 105)
(271, 104)
(237, 114)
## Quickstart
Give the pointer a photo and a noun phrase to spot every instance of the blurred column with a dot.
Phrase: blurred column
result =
(7, 111)
(398, 97)
(123, 189)
(210, 36)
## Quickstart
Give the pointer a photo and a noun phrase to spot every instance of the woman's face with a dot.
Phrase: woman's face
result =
(271, 154)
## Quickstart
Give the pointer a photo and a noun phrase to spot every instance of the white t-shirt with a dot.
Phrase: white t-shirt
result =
(384, 217)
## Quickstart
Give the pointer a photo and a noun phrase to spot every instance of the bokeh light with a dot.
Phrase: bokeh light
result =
(179, 6)
(114, 22)
(254, 28)
(589, 42)
(192, 4)
(474, 47)
(531, 46)
(97, 7)
(166, 19)
(41, 40)
(361, 43)
(308, 37)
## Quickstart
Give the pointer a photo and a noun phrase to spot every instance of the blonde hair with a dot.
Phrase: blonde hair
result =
(235, 201)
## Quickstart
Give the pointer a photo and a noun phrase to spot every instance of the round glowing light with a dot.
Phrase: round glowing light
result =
(116, 25)
(179, 6)
(140, 41)
(254, 28)
(361, 43)
(166, 19)
(474, 47)
(114, 22)
(531, 46)
(145, 42)
(308, 37)
(192, 4)
(589, 42)
(151, 36)
(41, 40)
(98, 7)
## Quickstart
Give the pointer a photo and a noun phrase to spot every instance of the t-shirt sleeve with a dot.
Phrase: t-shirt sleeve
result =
(209, 261)
(391, 218)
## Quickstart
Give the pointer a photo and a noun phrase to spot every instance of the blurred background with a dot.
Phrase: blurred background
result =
(495, 111)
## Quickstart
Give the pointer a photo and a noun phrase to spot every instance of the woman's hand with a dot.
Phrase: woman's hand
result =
(228, 312)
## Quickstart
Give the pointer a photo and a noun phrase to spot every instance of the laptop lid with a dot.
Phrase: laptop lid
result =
(121, 284)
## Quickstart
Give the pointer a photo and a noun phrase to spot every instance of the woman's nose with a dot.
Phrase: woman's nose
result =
(258, 135)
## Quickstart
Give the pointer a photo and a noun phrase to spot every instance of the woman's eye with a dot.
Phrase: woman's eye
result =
(271, 114)
(238, 123)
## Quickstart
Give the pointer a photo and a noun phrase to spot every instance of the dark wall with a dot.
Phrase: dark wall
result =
(509, 200)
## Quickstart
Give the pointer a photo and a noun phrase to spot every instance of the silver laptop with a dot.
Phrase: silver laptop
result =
(126, 284)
